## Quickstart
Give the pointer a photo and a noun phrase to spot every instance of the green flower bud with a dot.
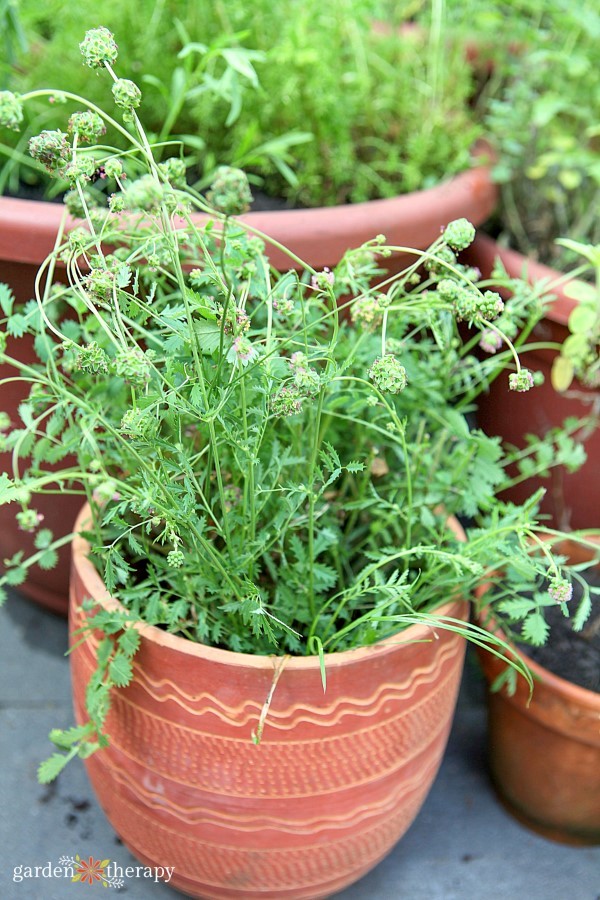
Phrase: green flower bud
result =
(11, 110)
(230, 192)
(388, 374)
(89, 126)
(126, 94)
(98, 47)
(459, 234)
(113, 168)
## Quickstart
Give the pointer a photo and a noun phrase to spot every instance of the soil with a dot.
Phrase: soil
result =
(572, 655)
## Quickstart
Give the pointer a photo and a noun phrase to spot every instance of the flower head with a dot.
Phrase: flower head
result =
(11, 110)
(459, 234)
(287, 401)
(490, 341)
(29, 519)
(560, 589)
(520, 381)
(322, 280)
(88, 125)
(126, 94)
(98, 47)
(242, 350)
(230, 192)
(388, 374)
(51, 148)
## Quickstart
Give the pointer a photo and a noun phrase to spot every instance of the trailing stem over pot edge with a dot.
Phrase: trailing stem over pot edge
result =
(271, 459)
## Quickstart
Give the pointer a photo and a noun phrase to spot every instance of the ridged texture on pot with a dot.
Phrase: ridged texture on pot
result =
(335, 782)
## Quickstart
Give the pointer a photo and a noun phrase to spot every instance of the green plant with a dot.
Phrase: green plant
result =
(543, 116)
(271, 458)
(579, 353)
(314, 102)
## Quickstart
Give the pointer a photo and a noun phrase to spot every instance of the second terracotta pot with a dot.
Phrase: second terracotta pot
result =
(544, 749)
(572, 499)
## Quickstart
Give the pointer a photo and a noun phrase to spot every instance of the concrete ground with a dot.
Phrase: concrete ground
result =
(463, 845)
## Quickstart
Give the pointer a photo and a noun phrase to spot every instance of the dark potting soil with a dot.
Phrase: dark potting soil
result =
(572, 655)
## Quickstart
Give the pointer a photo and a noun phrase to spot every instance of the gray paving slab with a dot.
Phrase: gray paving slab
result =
(463, 845)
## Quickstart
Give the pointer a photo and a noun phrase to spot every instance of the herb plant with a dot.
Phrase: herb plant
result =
(543, 116)
(273, 460)
(314, 102)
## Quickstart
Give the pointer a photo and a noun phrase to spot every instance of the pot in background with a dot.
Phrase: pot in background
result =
(572, 498)
(544, 753)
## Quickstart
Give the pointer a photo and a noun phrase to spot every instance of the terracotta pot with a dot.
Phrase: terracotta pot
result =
(318, 236)
(572, 499)
(49, 588)
(335, 782)
(544, 755)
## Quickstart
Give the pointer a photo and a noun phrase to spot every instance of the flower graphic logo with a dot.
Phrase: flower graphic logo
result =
(90, 871)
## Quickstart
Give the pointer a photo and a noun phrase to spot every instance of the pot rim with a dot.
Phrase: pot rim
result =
(28, 228)
(92, 582)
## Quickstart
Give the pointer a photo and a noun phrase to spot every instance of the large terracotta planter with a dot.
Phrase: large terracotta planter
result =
(335, 782)
(544, 754)
(572, 499)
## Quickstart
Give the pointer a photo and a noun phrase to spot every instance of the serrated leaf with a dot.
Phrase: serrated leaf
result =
(48, 560)
(535, 629)
(16, 325)
(51, 767)
(209, 337)
(119, 670)
(15, 576)
(65, 738)
(43, 539)
(129, 641)
(7, 299)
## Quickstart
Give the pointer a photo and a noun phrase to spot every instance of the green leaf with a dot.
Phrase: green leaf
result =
(535, 629)
(16, 325)
(51, 767)
(65, 738)
(562, 373)
(583, 319)
(48, 559)
(209, 337)
(7, 299)
(580, 290)
(119, 670)
(129, 641)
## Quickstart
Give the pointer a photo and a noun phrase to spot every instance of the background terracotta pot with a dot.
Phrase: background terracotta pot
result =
(335, 782)
(49, 587)
(544, 755)
(572, 499)
(319, 236)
